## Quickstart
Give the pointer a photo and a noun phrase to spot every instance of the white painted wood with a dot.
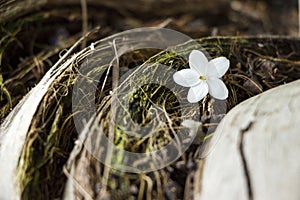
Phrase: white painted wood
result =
(256, 150)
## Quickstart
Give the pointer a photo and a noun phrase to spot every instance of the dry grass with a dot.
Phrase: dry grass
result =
(257, 64)
(253, 70)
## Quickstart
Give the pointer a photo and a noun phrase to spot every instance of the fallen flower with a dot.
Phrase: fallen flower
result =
(203, 77)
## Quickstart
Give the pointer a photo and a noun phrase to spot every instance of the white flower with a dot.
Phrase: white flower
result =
(203, 77)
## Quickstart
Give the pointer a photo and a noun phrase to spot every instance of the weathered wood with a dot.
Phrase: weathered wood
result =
(255, 150)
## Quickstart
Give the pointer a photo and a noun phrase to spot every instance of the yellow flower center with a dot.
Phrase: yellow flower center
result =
(202, 78)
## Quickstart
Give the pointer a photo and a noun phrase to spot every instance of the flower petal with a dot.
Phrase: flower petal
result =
(198, 62)
(217, 88)
(212, 71)
(221, 65)
(197, 92)
(186, 77)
